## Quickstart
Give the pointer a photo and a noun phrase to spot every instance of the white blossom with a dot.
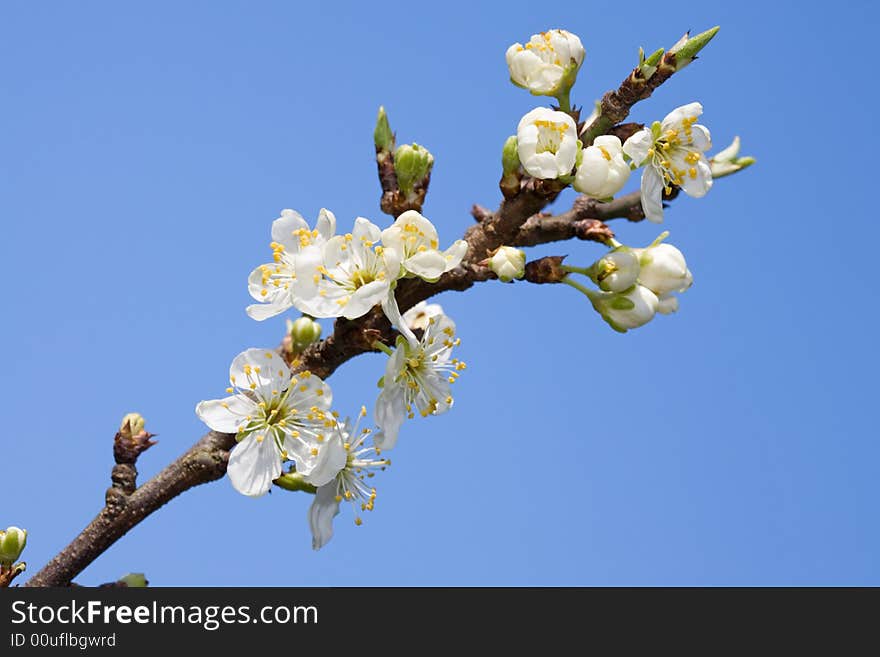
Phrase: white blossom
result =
(673, 154)
(416, 242)
(547, 143)
(295, 248)
(356, 465)
(355, 274)
(417, 378)
(602, 172)
(275, 416)
(547, 64)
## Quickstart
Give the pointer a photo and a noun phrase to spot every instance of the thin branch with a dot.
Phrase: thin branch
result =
(616, 104)
(203, 462)
(516, 222)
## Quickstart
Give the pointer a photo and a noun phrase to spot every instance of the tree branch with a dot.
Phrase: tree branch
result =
(517, 222)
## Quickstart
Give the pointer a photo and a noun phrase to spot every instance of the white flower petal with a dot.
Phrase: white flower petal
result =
(652, 195)
(455, 254)
(224, 415)
(311, 391)
(285, 229)
(392, 312)
(364, 228)
(700, 139)
(541, 165)
(699, 185)
(418, 316)
(429, 264)
(364, 298)
(253, 465)
(672, 121)
(261, 311)
(389, 414)
(637, 146)
(321, 513)
(331, 458)
(259, 370)
(326, 224)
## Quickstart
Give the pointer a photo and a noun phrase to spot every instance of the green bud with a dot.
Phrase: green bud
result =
(12, 542)
(686, 49)
(510, 156)
(382, 135)
(134, 580)
(303, 332)
(727, 161)
(132, 424)
(412, 164)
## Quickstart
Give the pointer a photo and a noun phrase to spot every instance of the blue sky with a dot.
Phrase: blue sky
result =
(146, 147)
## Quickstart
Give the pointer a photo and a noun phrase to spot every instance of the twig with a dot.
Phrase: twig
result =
(516, 222)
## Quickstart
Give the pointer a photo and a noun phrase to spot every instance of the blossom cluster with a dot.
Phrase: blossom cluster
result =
(672, 151)
(286, 431)
(635, 283)
(284, 416)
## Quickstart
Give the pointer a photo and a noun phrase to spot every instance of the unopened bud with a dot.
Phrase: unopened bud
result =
(508, 263)
(412, 164)
(303, 332)
(132, 425)
(626, 310)
(134, 580)
(616, 271)
(510, 156)
(382, 135)
(727, 161)
(510, 177)
(663, 268)
(12, 542)
(686, 49)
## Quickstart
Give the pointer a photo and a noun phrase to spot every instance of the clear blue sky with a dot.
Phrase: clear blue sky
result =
(146, 147)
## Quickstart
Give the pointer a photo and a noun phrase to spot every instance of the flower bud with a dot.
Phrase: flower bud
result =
(508, 263)
(12, 542)
(132, 425)
(602, 171)
(382, 135)
(303, 332)
(663, 268)
(687, 47)
(412, 164)
(616, 271)
(509, 156)
(510, 177)
(626, 310)
(134, 580)
(727, 161)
